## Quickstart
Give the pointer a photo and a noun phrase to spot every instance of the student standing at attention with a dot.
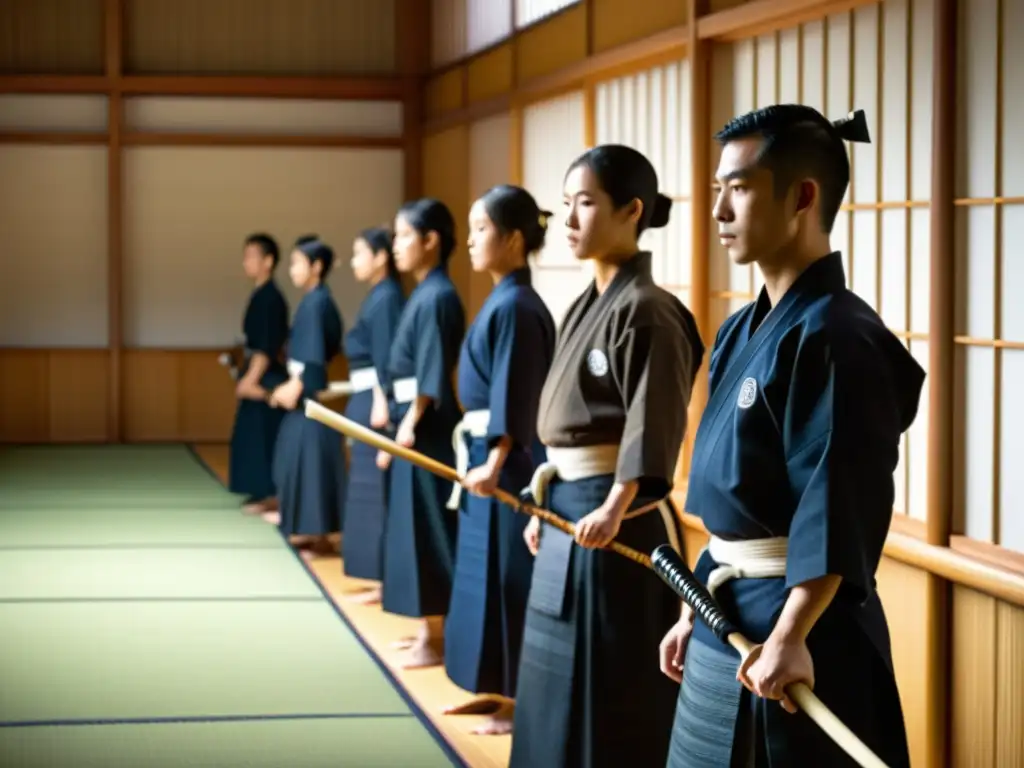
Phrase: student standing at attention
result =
(367, 347)
(612, 417)
(792, 469)
(309, 464)
(419, 534)
(265, 329)
(504, 361)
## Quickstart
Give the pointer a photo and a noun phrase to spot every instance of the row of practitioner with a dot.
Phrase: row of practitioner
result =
(792, 470)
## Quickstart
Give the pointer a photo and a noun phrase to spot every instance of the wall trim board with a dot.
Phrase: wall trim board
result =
(359, 88)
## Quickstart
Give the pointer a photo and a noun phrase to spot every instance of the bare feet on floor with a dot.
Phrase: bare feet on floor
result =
(422, 654)
(501, 712)
(274, 518)
(260, 507)
(371, 596)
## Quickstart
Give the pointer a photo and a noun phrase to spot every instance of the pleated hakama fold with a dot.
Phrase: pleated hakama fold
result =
(311, 476)
(493, 570)
(362, 547)
(419, 531)
(253, 441)
(590, 691)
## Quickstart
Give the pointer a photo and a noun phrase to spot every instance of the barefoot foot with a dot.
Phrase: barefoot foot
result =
(481, 706)
(274, 518)
(498, 725)
(421, 655)
(366, 597)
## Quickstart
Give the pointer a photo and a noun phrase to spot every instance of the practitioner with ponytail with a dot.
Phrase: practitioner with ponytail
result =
(504, 361)
(367, 347)
(419, 532)
(612, 417)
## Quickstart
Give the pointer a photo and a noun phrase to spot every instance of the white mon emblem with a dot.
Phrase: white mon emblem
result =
(597, 363)
(748, 393)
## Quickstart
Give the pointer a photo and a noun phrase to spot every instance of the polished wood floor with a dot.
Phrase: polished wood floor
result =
(429, 688)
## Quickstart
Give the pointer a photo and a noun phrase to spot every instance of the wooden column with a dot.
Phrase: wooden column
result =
(115, 335)
(940, 382)
(412, 47)
(699, 53)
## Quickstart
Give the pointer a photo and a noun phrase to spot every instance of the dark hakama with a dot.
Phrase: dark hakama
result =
(309, 463)
(367, 347)
(504, 361)
(590, 693)
(419, 531)
(800, 439)
(254, 434)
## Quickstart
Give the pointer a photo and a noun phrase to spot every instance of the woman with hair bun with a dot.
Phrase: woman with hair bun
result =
(367, 347)
(502, 367)
(612, 417)
(419, 532)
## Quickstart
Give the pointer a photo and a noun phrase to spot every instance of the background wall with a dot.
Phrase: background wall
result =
(145, 140)
(571, 75)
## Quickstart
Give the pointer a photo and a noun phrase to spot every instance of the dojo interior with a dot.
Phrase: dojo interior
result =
(142, 140)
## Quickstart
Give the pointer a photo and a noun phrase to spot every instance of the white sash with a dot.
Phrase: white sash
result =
(405, 390)
(360, 380)
(473, 424)
(295, 368)
(571, 464)
(750, 559)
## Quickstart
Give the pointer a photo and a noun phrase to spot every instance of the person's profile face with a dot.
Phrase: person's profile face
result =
(484, 242)
(408, 246)
(300, 270)
(591, 221)
(362, 260)
(752, 220)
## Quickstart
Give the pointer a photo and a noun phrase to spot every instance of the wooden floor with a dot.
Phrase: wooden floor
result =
(429, 688)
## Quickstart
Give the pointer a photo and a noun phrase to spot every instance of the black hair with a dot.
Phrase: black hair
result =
(430, 215)
(626, 175)
(316, 250)
(267, 246)
(513, 209)
(380, 239)
(800, 142)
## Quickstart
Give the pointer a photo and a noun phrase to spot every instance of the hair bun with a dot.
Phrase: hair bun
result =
(660, 213)
(853, 127)
(543, 217)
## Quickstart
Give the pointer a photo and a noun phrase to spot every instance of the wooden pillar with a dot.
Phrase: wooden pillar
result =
(940, 382)
(115, 336)
(699, 53)
(412, 46)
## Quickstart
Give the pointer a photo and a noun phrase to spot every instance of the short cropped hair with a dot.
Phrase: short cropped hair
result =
(799, 142)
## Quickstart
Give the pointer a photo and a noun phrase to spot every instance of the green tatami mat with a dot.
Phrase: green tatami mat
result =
(120, 527)
(159, 574)
(344, 743)
(101, 661)
(113, 497)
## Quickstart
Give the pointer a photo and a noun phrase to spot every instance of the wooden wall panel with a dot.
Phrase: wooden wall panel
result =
(78, 386)
(903, 590)
(446, 177)
(259, 37)
(51, 37)
(150, 395)
(53, 395)
(622, 21)
(444, 92)
(490, 74)
(987, 691)
(553, 44)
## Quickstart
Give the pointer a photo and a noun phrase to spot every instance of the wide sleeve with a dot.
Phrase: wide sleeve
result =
(655, 365)
(841, 435)
(383, 322)
(311, 348)
(520, 362)
(268, 328)
(438, 325)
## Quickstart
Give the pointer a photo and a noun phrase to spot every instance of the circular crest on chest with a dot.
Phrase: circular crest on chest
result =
(597, 363)
(748, 393)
